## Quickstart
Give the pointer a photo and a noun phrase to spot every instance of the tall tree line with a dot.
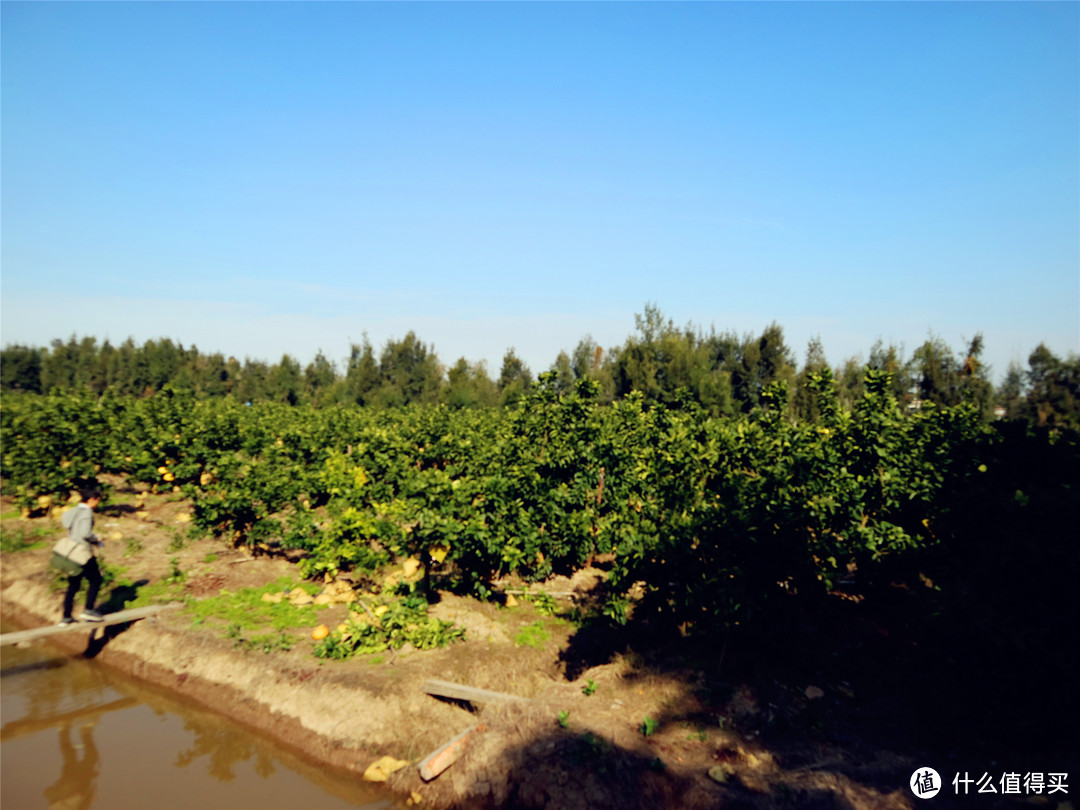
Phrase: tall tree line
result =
(723, 372)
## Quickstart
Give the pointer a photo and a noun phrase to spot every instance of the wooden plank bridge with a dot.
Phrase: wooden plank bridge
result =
(120, 617)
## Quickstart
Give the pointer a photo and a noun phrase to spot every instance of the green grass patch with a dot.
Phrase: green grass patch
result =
(532, 635)
(154, 593)
(267, 642)
(246, 609)
(22, 538)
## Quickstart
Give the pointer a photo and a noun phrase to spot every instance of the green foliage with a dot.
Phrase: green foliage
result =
(52, 446)
(648, 727)
(589, 688)
(564, 719)
(404, 621)
(515, 379)
(20, 369)
(176, 542)
(1053, 390)
(724, 519)
(544, 603)
(722, 373)
(176, 576)
(670, 365)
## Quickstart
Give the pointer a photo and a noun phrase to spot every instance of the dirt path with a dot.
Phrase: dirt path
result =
(620, 734)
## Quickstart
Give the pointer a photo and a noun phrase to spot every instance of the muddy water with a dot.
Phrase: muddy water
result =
(77, 735)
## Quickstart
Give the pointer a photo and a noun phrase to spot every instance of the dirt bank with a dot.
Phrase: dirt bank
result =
(618, 734)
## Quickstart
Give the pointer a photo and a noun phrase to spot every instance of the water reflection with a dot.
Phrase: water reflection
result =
(74, 790)
(77, 735)
(35, 723)
(224, 751)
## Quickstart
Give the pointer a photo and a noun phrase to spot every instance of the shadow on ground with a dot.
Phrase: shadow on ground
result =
(118, 597)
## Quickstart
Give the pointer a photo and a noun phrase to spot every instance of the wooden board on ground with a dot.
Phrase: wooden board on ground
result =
(457, 691)
(446, 754)
(109, 618)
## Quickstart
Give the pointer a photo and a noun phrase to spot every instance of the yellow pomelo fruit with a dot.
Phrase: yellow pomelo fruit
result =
(380, 770)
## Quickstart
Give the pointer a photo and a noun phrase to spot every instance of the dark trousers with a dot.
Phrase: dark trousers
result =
(92, 574)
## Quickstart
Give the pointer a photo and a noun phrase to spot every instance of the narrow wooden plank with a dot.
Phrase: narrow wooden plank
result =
(459, 691)
(446, 754)
(109, 618)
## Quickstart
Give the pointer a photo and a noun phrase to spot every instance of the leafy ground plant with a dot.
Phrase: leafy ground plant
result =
(532, 635)
(389, 626)
(543, 603)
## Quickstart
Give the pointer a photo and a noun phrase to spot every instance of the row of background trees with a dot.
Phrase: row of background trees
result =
(722, 371)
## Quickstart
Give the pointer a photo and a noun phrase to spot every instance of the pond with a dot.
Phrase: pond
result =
(78, 735)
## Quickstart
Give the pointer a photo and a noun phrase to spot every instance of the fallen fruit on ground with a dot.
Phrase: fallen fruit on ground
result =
(380, 769)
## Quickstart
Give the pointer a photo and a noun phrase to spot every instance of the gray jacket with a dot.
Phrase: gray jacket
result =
(79, 523)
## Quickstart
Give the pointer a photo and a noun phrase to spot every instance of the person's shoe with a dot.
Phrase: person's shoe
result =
(91, 616)
(66, 620)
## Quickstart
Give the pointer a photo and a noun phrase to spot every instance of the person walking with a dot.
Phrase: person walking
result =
(79, 523)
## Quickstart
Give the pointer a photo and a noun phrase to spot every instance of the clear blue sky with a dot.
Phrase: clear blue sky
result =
(260, 178)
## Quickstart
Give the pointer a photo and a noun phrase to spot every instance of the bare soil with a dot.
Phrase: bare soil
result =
(768, 743)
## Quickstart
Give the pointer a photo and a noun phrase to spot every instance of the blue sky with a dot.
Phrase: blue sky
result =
(261, 178)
